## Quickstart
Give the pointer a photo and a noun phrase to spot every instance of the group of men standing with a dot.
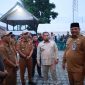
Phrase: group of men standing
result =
(45, 53)
(29, 56)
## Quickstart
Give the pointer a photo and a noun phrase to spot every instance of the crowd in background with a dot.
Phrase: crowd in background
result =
(59, 39)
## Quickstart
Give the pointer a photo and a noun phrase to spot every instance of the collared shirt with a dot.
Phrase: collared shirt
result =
(75, 54)
(48, 52)
(25, 47)
(7, 53)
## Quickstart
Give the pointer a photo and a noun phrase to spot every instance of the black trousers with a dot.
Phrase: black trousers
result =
(33, 68)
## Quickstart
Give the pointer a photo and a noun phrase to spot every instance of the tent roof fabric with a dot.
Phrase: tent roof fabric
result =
(2, 28)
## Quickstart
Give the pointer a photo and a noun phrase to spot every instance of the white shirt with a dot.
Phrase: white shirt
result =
(48, 52)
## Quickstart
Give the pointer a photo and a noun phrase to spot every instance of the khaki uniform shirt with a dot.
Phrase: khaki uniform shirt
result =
(25, 47)
(8, 54)
(75, 54)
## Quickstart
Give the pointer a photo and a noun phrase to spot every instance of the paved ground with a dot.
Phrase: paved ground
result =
(61, 74)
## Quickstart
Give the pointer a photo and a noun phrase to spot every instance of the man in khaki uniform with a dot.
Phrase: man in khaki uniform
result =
(9, 59)
(25, 50)
(75, 56)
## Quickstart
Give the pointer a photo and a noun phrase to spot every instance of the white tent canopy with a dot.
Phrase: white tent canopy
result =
(20, 32)
(53, 27)
(58, 28)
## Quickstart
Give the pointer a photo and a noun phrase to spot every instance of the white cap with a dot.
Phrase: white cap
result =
(6, 33)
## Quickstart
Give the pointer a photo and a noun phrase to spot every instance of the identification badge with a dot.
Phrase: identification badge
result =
(74, 46)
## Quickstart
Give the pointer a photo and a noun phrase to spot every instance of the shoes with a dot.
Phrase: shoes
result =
(31, 83)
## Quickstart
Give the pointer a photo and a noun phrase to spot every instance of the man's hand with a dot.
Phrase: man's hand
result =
(56, 61)
(16, 66)
(5, 72)
(27, 57)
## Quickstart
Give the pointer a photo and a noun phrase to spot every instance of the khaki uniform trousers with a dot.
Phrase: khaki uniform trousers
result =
(23, 63)
(11, 78)
(76, 78)
(46, 69)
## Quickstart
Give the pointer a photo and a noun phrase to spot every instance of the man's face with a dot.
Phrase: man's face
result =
(75, 31)
(25, 36)
(35, 38)
(46, 36)
(7, 38)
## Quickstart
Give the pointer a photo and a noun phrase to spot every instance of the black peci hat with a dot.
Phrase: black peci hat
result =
(74, 25)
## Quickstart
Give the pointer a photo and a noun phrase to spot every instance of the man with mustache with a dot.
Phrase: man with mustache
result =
(74, 56)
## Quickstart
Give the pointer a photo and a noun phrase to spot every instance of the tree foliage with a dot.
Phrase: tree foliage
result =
(42, 9)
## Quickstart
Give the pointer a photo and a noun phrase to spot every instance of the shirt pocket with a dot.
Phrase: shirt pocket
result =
(68, 45)
(42, 48)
